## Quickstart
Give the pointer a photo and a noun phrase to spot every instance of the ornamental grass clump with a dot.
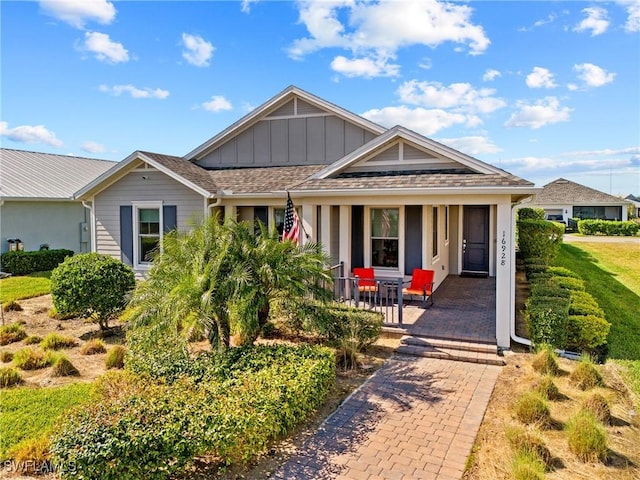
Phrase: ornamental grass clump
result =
(587, 438)
(14, 332)
(529, 442)
(12, 306)
(598, 405)
(545, 387)
(545, 361)
(586, 375)
(531, 408)
(6, 356)
(93, 347)
(526, 466)
(33, 456)
(9, 376)
(62, 367)
(33, 340)
(55, 341)
(115, 357)
(29, 358)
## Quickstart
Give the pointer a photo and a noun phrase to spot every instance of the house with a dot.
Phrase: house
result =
(635, 201)
(36, 200)
(563, 199)
(374, 197)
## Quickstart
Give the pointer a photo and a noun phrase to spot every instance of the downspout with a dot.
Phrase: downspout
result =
(512, 277)
(92, 218)
(217, 203)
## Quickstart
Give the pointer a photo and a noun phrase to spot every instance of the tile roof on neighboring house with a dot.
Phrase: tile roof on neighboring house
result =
(262, 179)
(562, 191)
(32, 175)
(414, 180)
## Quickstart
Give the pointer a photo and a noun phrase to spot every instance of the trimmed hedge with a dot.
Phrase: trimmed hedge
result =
(528, 213)
(247, 398)
(22, 263)
(586, 332)
(608, 227)
(539, 238)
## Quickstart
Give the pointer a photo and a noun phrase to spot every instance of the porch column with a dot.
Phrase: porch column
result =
(325, 228)
(308, 222)
(345, 237)
(505, 275)
(230, 211)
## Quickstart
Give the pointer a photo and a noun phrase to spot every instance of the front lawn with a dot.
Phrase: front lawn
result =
(29, 413)
(27, 286)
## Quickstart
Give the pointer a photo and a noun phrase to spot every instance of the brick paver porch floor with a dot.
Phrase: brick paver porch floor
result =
(415, 418)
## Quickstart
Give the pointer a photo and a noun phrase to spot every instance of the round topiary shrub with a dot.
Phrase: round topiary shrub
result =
(91, 285)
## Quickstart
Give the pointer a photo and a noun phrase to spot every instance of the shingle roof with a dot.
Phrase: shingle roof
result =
(563, 191)
(414, 180)
(35, 175)
(186, 169)
(262, 179)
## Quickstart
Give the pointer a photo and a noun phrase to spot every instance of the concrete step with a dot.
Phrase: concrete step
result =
(450, 350)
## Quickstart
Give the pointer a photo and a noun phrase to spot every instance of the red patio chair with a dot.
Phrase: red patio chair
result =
(366, 280)
(422, 285)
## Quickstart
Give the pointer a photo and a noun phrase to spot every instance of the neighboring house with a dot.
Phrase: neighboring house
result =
(387, 198)
(36, 199)
(563, 199)
(635, 201)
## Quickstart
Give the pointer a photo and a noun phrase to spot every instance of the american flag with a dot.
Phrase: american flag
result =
(291, 229)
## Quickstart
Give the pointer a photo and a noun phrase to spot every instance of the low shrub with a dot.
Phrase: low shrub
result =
(586, 332)
(586, 376)
(587, 438)
(55, 341)
(526, 466)
(546, 319)
(549, 288)
(6, 356)
(14, 332)
(545, 387)
(599, 407)
(539, 238)
(23, 263)
(32, 456)
(33, 340)
(93, 347)
(91, 285)
(535, 266)
(12, 306)
(562, 272)
(569, 283)
(530, 408)
(545, 361)
(528, 213)
(583, 303)
(608, 227)
(248, 397)
(9, 376)
(115, 357)
(29, 358)
(63, 367)
(158, 352)
(525, 441)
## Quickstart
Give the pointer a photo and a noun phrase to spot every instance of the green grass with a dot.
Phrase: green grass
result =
(29, 413)
(612, 276)
(28, 286)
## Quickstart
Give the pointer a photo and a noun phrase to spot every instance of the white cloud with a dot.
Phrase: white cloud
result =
(552, 17)
(544, 112)
(596, 21)
(540, 78)
(633, 12)
(472, 145)
(365, 67)
(425, 63)
(491, 74)
(30, 134)
(104, 49)
(377, 30)
(606, 152)
(245, 5)
(422, 120)
(134, 92)
(460, 96)
(78, 12)
(93, 147)
(593, 75)
(197, 50)
(217, 104)
(572, 87)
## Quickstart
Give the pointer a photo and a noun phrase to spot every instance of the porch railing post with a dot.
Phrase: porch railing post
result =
(400, 279)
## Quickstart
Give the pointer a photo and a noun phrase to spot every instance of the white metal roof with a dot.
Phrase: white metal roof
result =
(32, 175)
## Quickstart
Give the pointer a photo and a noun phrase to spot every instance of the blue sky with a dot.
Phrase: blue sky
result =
(542, 89)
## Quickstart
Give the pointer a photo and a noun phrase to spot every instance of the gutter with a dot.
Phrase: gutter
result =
(512, 328)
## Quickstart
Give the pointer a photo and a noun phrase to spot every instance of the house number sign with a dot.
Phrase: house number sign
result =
(503, 249)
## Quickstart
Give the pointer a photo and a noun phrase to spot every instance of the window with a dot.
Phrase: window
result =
(278, 221)
(149, 234)
(384, 237)
(446, 224)
(435, 231)
(589, 212)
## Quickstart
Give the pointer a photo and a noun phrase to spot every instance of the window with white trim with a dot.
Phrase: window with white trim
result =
(385, 237)
(148, 233)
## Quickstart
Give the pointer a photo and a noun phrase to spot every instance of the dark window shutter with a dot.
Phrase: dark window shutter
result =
(357, 236)
(126, 234)
(412, 238)
(169, 218)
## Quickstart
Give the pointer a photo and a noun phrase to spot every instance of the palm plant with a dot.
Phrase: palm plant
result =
(224, 276)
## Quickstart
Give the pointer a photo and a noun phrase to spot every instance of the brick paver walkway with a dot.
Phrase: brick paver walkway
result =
(415, 418)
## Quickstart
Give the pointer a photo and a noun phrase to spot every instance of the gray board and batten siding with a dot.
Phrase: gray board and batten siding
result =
(305, 135)
(134, 187)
